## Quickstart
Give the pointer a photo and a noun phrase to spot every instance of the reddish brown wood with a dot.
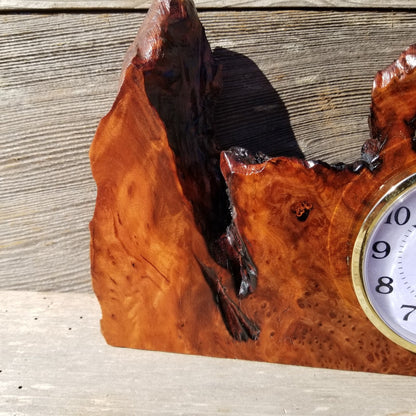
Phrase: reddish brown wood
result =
(161, 233)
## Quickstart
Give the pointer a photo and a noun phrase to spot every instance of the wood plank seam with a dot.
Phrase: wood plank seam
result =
(128, 6)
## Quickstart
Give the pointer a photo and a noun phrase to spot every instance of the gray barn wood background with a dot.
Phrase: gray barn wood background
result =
(296, 74)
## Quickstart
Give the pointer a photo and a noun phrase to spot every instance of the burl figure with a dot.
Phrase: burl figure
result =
(177, 222)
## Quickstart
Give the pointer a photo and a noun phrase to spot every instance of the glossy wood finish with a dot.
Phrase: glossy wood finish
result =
(59, 76)
(152, 269)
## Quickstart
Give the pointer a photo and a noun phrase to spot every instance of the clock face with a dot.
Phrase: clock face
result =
(384, 264)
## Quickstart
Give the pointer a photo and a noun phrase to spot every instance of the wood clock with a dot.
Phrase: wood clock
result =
(240, 255)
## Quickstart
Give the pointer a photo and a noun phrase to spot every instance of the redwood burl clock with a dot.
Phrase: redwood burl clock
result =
(232, 254)
(384, 262)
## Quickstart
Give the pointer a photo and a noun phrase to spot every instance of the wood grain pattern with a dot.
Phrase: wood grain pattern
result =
(309, 310)
(156, 269)
(243, 4)
(122, 382)
(312, 71)
(53, 90)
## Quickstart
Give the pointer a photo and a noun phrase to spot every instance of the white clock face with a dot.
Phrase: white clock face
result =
(388, 264)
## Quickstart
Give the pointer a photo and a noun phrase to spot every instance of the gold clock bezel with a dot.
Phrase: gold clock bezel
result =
(396, 188)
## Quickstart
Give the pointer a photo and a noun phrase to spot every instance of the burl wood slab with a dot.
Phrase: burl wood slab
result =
(231, 254)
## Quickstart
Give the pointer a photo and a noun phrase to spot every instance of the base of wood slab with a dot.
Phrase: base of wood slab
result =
(194, 251)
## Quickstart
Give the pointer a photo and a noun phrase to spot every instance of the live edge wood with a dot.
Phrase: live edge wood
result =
(155, 272)
(306, 302)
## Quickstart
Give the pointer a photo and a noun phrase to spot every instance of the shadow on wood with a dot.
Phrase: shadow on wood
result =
(260, 120)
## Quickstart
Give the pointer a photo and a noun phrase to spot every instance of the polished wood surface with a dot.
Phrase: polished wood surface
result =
(152, 261)
(60, 66)
(310, 310)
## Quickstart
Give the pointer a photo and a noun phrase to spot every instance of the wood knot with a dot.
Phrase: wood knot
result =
(301, 209)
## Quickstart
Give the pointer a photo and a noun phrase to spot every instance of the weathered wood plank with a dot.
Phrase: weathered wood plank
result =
(288, 76)
(49, 75)
(54, 361)
(144, 4)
